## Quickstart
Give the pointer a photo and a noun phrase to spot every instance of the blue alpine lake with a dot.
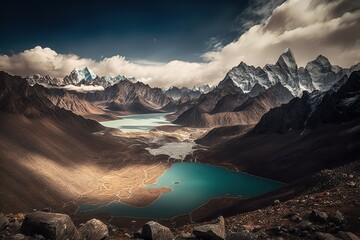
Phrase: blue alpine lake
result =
(138, 122)
(192, 184)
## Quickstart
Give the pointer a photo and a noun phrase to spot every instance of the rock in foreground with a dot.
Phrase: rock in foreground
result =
(155, 231)
(214, 231)
(94, 230)
(50, 225)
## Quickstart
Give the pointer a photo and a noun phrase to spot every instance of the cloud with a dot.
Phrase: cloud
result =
(308, 27)
(83, 88)
(256, 13)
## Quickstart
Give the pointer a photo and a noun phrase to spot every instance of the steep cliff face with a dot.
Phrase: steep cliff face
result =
(339, 104)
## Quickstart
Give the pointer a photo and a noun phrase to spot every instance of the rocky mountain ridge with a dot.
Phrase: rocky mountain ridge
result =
(339, 104)
(318, 74)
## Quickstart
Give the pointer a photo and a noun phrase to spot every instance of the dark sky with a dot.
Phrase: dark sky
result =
(137, 29)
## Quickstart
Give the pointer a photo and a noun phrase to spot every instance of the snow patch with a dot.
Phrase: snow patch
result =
(175, 150)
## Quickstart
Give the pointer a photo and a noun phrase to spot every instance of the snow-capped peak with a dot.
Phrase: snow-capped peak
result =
(288, 58)
(82, 74)
(203, 89)
(323, 61)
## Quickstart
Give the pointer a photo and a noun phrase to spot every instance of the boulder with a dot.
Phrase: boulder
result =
(155, 231)
(318, 216)
(242, 235)
(94, 229)
(4, 221)
(304, 225)
(337, 217)
(18, 236)
(348, 236)
(49, 225)
(215, 231)
(326, 236)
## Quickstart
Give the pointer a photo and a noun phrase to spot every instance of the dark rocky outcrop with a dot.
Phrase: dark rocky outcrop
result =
(94, 230)
(50, 225)
(4, 221)
(155, 231)
(214, 231)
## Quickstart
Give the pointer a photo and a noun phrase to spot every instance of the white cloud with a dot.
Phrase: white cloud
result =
(308, 27)
(83, 88)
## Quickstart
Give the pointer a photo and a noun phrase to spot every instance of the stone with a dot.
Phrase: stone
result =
(277, 201)
(352, 184)
(4, 221)
(304, 225)
(326, 236)
(277, 230)
(215, 231)
(155, 231)
(18, 236)
(138, 234)
(251, 227)
(186, 235)
(338, 217)
(296, 218)
(242, 236)
(47, 209)
(318, 216)
(94, 229)
(49, 225)
(348, 236)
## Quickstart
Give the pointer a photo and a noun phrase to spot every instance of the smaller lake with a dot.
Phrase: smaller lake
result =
(197, 184)
(138, 122)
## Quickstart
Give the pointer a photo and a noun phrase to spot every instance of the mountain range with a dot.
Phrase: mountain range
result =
(318, 74)
(312, 132)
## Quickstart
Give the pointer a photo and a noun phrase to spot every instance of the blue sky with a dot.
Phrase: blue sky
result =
(166, 43)
(138, 29)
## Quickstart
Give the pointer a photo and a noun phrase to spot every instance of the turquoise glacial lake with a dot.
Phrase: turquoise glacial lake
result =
(197, 184)
(138, 122)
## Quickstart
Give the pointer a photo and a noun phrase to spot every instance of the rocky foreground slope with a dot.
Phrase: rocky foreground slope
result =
(326, 208)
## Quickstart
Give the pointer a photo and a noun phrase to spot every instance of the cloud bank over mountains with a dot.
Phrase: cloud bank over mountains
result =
(308, 27)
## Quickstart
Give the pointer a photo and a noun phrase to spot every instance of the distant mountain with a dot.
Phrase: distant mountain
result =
(231, 106)
(176, 93)
(186, 93)
(70, 101)
(317, 75)
(339, 104)
(38, 79)
(78, 77)
(128, 96)
(18, 97)
(80, 74)
(203, 89)
(317, 131)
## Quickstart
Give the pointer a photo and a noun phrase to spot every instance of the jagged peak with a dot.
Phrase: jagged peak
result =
(287, 58)
(323, 60)
(288, 54)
